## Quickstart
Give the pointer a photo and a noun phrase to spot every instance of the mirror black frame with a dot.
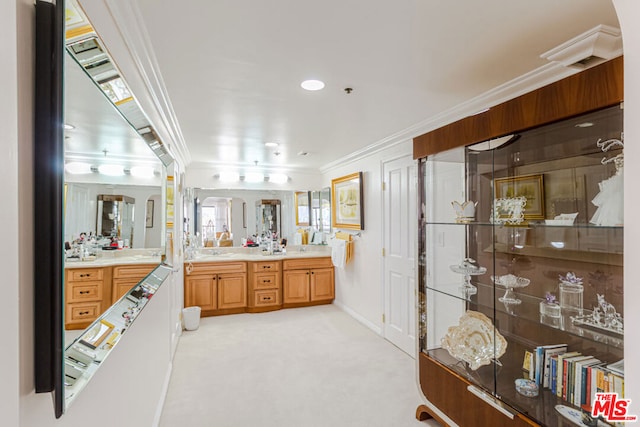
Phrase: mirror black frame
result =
(48, 179)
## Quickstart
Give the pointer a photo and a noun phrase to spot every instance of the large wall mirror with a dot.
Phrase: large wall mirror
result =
(215, 215)
(112, 199)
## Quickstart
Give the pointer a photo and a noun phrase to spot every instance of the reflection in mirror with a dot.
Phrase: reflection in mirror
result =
(268, 219)
(302, 207)
(114, 169)
(209, 211)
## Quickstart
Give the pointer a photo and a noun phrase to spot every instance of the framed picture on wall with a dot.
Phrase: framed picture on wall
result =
(149, 214)
(347, 204)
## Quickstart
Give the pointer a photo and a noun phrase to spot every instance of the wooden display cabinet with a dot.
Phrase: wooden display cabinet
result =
(551, 147)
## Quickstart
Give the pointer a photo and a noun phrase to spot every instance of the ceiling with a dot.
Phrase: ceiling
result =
(231, 69)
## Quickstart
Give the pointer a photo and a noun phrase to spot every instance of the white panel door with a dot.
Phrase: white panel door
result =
(400, 228)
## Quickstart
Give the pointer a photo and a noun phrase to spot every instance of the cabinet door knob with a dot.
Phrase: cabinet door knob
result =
(266, 281)
(84, 292)
(83, 313)
(313, 272)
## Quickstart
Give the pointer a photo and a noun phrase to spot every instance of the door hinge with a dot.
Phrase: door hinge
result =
(384, 186)
(383, 252)
(383, 318)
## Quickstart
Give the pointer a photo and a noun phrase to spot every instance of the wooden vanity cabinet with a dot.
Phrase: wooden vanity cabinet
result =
(307, 281)
(217, 288)
(126, 277)
(265, 286)
(87, 295)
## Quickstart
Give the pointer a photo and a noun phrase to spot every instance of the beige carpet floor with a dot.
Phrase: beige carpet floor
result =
(313, 366)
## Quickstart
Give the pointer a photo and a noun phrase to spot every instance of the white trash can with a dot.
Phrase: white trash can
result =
(191, 317)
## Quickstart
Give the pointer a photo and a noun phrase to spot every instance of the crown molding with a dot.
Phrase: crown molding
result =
(128, 21)
(525, 83)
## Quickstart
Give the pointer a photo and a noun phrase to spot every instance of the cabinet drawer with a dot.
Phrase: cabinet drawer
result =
(83, 312)
(84, 291)
(219, 267)
(84, 274)
(266, 266)
(266, 280)
(302, 263)
(268, 297)
(132, 271)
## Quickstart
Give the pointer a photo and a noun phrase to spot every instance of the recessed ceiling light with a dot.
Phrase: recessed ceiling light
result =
(111, 170)
(271, 144)
(312, 85)
(77, 168)
(584, 125)
(303, 153)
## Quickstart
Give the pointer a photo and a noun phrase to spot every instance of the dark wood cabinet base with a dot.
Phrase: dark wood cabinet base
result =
(423, 413)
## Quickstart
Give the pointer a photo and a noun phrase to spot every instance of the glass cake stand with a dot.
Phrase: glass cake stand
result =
(469, 268)
(510, 282)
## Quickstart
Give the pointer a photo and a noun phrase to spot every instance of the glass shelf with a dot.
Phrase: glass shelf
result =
(528, 310)
(526, 225)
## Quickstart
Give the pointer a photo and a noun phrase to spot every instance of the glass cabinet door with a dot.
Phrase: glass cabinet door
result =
(521, 248)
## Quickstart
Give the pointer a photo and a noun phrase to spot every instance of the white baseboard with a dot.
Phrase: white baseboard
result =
(375, 328)
(163, 396)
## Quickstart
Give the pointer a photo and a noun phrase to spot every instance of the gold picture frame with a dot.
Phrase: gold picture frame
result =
(530, 187)
(301, 202)
(347, 203)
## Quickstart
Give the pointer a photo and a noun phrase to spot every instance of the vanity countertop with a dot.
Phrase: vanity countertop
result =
(111, 258)
(255, 254)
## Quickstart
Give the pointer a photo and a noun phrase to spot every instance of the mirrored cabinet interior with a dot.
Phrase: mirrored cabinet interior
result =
(268, 218)
(521, 273)
(115, 217)
(321, 210)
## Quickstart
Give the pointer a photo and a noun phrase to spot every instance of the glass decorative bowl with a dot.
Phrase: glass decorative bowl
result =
(509, 282)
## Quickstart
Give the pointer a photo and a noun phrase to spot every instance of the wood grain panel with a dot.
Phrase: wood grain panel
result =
(593, 89)
(448, 392)
(300, 263)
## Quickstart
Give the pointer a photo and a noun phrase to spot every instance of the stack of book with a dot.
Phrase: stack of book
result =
(573, 376)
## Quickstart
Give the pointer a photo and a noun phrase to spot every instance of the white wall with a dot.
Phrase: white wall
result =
(359, 285)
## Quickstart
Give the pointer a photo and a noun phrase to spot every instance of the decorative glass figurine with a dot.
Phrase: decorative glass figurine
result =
(571, 292)
(549, 307)
(604, 316)
(465, 212)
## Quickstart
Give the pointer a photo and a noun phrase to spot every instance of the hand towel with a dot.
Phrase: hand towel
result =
(338, 253)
